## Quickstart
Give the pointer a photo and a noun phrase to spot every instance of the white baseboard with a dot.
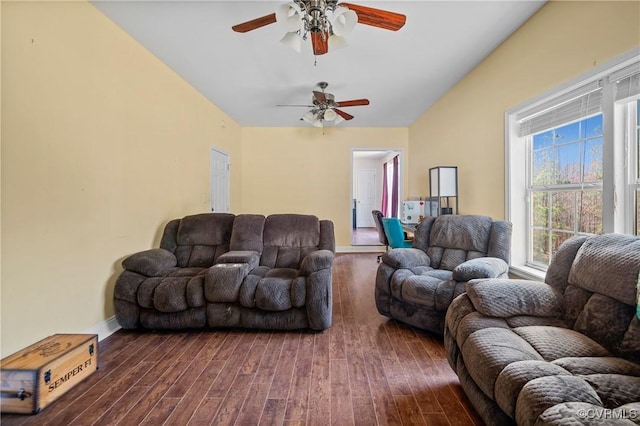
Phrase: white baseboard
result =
(105, 328)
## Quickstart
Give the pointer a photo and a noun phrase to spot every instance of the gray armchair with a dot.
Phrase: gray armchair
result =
(416, 285)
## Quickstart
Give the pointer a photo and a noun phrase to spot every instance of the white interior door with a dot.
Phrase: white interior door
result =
(365, 198)
(219, 176)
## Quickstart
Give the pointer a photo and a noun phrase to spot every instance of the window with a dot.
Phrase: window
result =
(565, 188)
(574, 163)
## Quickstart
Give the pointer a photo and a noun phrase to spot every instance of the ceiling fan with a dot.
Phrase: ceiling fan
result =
(325, 20)
(324, 108)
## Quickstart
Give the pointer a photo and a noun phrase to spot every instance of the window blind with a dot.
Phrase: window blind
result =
(571, 106)
(627, 82)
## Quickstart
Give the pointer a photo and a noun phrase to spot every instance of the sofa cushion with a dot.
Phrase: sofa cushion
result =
(150, 262)
(170, 293)
(202, 238)
(273, 292)
(516, 375)
(506, 297)
(592, 266)
(542, 393)
(594, 365)
(247, 233)
(420, 290)
(605, 320)
(288, 238)
(615, 389)
(455, 240)
(545, 339)
(488, 351)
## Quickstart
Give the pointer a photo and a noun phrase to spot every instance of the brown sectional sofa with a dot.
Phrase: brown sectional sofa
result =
(223, 270)
(561, 352)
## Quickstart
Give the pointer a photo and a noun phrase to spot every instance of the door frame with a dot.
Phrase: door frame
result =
(213, 149)
(401, 173)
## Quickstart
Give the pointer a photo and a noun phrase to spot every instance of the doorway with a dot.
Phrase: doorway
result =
(367, 181)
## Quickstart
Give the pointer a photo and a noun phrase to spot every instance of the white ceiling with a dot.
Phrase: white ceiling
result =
(402, 73)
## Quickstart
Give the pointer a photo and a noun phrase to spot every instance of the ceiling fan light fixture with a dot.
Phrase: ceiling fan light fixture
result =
(309, 117)
(330, 114)
(336, 42)
(290, 17)
(343, 21)
(338, 120)
(317, 123)
(292, 40)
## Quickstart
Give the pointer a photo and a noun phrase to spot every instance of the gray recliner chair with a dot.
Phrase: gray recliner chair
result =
(416, 285)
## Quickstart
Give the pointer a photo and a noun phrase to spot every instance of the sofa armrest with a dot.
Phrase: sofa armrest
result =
(150, 262)
(404, 258)
(251, 258)
(482, 267)
(504, 298)
(316, 261)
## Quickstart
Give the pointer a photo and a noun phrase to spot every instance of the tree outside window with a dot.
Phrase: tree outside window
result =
(566, 185)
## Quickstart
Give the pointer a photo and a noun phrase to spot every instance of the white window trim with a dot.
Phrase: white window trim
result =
(516, 198)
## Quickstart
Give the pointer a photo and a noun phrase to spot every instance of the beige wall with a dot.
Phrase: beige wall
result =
(302, 170)
(101, 145)
(466, 126)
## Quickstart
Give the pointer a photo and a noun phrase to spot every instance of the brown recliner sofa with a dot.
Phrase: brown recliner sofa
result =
(416, 285)
(561, 352)
(223, 270)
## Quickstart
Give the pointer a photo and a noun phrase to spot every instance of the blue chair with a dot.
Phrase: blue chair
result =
(395, 233)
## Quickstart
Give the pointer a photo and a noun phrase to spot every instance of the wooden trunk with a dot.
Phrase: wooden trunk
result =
(36, 376)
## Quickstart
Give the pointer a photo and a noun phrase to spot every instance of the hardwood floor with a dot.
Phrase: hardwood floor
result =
(366, 237)
(365, 370)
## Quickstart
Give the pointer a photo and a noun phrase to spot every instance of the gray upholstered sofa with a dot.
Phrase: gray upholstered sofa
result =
(223, 270)
(562, 352)
(416, 285)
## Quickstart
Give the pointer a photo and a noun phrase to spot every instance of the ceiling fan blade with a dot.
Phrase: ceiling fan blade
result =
(377, 17)
(354, 102)
(320, 97)
(343, 114)
(255, 23)
(320, 46)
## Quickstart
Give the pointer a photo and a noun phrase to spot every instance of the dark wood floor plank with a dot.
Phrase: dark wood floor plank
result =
(231, 405)
(119, 409)
(254, 404)
(155, 395)
(160, 412)
(205, 412)
(267, 367)
(341, 408)
(408, 406)
(297, 403)
(273, 413)
(365, 370)
(319, 409)
(281, 382)
(364, 412)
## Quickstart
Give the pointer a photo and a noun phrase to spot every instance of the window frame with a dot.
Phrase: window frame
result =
(619, 185)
